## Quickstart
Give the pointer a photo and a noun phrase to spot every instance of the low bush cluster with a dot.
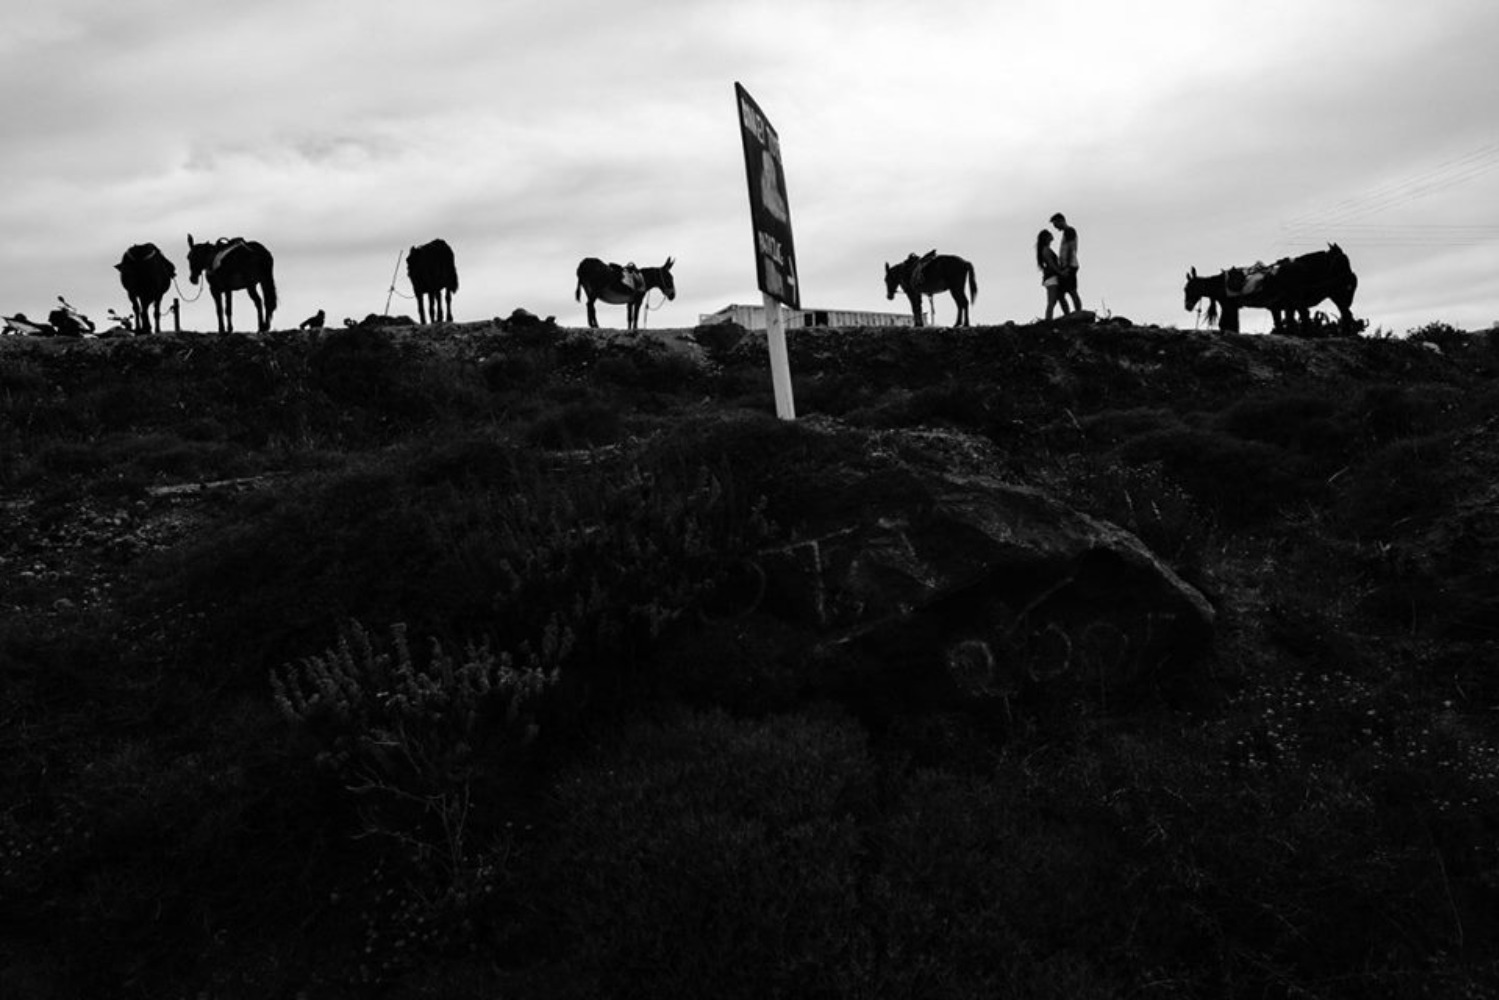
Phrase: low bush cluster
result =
(424, 748)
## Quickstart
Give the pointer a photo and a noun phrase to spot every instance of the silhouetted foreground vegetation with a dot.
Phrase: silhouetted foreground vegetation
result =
(439, 664)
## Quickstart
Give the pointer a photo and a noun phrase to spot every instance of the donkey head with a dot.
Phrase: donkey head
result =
(668, 285)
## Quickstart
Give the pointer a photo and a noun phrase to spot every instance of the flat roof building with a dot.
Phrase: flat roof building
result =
(753, 317)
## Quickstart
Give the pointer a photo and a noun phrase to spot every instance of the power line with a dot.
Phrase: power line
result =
(1413, 235)
(1448, 174)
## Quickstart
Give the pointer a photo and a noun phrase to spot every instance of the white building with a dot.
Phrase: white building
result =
(753, 317)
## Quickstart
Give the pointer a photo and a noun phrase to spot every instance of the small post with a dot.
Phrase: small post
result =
(780, 362)
(392, 290)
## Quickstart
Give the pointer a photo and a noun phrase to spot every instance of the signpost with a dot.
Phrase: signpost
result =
(775, 253)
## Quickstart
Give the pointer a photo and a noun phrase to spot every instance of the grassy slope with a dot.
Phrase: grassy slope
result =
(1314, 809)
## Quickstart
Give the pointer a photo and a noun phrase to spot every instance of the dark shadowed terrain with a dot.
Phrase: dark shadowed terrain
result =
(498, 659)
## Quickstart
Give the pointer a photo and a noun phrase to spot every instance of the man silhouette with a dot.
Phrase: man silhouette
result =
(1067, 258)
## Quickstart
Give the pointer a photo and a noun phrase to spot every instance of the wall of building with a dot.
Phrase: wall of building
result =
(753, 317)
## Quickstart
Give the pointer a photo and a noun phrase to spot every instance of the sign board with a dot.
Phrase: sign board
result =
(775, 253)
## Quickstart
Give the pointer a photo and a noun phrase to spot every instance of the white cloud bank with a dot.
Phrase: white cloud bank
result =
(530, 135)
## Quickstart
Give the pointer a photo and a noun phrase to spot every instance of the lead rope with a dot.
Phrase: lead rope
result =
(184, 298)
(646, 307)
(392, 290)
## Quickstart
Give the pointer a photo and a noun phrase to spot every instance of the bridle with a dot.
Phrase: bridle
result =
(645, 299)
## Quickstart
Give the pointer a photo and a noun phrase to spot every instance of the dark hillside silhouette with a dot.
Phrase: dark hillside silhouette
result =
(1058, 660)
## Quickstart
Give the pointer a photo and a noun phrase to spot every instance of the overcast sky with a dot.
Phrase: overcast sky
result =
(1173, 133)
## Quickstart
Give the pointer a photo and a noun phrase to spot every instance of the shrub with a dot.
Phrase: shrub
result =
(1440, 334)
(1400, 488)
(1307, 424)
(705, 850)
(380, 385)
(66, 458)
(513, 370)
(1152, 506)
(1388, 412)
(425, 748)
(651, 368)
(977, 408)
(1243, 481)
(582, 424)
(1112, 427)
(466, 540)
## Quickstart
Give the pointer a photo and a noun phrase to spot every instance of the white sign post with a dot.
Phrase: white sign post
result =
(775, 252)
(780, 361)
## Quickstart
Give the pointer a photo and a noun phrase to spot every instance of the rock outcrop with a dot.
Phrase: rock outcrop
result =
(928, 579)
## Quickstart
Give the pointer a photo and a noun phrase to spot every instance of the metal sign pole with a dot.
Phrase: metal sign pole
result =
(780, 361)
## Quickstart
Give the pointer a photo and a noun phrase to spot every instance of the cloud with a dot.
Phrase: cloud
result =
(530, 135)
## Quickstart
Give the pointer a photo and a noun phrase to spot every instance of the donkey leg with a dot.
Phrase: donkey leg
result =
(916, 310)
(593, 316)
(1346, 322)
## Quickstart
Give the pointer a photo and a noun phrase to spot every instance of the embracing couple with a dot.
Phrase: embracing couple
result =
(1058, 267)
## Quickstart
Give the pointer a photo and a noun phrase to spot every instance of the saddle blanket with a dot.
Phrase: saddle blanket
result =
(629, 276)
(1241, 281)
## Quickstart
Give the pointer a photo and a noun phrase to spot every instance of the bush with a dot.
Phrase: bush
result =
(1389, 412)
(1242, 481)
(426, 749)
(1439, 334)
(470, 540)
(1400, 488)
(380, 385)
(653, 369)
(1311, 425)
(1112, 427)
(1149, 504)
(706, 850)
(583, 424)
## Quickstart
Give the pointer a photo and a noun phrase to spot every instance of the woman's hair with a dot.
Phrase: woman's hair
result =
(1043, 239)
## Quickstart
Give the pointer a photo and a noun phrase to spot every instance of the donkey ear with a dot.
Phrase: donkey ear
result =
(668, 264)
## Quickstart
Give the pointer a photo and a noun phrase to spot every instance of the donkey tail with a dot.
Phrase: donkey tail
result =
(973, 283)
(578, 292)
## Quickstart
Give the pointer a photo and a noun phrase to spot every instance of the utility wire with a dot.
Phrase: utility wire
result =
(1448, 174)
